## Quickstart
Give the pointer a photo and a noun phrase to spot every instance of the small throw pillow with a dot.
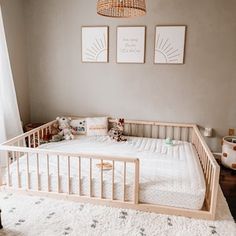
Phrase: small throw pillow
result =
(97, 126)
(79, 125)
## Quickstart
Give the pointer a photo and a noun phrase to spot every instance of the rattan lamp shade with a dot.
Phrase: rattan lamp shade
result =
(121, 8)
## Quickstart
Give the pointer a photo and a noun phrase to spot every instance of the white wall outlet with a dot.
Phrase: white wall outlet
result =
(207, 132)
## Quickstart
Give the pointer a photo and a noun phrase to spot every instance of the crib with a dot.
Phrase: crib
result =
(27, 144)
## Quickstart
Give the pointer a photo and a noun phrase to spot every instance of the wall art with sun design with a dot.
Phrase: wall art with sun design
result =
(95, 44)
(169, 44)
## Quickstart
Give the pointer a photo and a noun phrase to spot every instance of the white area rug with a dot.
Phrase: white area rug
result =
(31, 216)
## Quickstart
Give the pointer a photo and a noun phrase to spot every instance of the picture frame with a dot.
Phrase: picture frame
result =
(169, 45)
(95, 44)
(131, 44)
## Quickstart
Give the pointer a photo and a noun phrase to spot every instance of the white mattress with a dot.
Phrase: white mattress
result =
(169, 175)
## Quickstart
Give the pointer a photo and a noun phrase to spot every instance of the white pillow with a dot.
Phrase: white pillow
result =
(97, 126)
(79, 125)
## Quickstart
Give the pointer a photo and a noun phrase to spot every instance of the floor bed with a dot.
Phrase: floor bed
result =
(146, 173)
(170, 175)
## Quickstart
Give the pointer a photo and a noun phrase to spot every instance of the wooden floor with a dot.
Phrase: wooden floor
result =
(228, 185)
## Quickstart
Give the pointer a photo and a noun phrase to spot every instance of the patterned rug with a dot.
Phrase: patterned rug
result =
(30, 216)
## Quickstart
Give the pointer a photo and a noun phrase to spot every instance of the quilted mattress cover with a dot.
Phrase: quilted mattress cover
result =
(169, 175)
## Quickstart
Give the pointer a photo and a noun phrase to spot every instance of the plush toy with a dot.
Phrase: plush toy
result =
(55, 136)
(55, 129)
(66, 131)
(169, 142)
(116, 132)
(46, 138)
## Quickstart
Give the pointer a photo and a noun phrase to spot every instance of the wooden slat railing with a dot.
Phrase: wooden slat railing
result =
(210, 169)
(16, 148)
(26, 152)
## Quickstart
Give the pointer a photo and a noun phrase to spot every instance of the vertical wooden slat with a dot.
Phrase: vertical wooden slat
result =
(8, 168)
(29, 143)
(187, 134)
(48, 175)
(90, 177)
(18, 153)
(101, 179)
(27, 171)
(50, 129)
(215, 184)
(205, 158)
(68, 174)
(113, 176)
(42, 133)
(210, 183)
(37, 166)
(34, 144)
(17, 169)
(136, 129)
(124, 181)
(79, 176)
(38, 138)
(158, 130)
(207, 169)
(58, 174)
(136, 183)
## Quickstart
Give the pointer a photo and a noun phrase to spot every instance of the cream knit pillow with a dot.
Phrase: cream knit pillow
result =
(97, 126)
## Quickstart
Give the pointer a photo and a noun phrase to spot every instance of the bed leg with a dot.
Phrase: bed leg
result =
(0, 220)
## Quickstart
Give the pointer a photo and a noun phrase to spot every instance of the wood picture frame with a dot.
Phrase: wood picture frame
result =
(169, 46)
(131, 44)
(95, 44)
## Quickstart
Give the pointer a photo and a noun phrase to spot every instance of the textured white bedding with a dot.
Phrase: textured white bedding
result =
(169, 175)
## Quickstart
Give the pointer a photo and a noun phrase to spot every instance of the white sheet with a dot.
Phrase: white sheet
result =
(169, 175)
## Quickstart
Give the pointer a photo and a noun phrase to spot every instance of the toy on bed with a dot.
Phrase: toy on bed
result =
(53, 136)
(104, 166)
(116, 133)
(60, 130)
(169, 141)
(66, 131)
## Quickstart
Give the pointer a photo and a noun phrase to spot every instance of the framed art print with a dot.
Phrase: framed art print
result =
(95, 44)
(169, 44)
(131, 44)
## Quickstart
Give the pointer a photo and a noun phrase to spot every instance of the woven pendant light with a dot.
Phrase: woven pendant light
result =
(121, 8)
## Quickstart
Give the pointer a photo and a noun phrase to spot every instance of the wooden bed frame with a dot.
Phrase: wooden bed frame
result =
(16, 148)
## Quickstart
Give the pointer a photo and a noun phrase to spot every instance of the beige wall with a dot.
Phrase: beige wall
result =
(14, 23)
(200, 91)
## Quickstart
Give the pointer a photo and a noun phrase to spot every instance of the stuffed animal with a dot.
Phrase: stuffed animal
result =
(53, 136)
(116, 132)
(55, 128)
(66, 131)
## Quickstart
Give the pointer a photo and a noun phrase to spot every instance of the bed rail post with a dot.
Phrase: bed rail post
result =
(3, 164)
(136, 184)
(214, 193)
(211, 171)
